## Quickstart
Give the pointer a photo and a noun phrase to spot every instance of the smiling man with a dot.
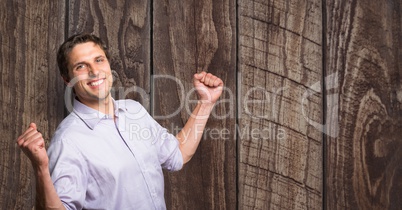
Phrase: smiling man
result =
(98, 157)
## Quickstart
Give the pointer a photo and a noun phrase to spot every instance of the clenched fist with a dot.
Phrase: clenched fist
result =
(33, 145)
(209, 87)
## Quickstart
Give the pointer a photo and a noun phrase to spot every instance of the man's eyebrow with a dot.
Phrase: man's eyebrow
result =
(78, 63)
(83, 62)
(100, 56)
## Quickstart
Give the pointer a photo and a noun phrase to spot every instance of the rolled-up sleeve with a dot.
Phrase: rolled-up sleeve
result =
(68, 172)
(167, 145)
(169, 154)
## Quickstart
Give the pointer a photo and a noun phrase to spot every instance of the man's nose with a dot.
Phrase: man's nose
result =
(93, 70)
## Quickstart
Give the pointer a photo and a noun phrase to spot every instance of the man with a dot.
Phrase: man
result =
(109, 154)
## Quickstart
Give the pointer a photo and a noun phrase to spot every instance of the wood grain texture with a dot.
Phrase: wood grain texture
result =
(30, 86)
(279, 94)
(280, 60)
(189, 37)
(125, 27)
(364, 45)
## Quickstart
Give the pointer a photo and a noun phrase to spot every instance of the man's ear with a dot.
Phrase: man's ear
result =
(66, 80)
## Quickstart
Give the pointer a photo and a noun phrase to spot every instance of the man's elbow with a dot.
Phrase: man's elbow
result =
(186, 156)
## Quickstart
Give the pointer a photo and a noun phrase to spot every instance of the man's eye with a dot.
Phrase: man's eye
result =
(80, 67)
(99, 60)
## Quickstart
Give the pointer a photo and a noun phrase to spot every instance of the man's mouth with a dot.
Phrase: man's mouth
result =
(96, 83)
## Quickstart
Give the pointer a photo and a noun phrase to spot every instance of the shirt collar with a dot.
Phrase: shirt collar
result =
(91, 117)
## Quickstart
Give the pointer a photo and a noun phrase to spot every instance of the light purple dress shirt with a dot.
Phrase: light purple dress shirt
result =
(100, 163)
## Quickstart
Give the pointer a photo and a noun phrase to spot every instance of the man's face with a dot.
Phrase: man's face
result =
(90, 73)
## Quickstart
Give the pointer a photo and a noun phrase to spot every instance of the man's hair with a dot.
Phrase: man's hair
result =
(69, 44)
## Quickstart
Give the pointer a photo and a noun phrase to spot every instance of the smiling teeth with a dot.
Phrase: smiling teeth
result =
(96, 83)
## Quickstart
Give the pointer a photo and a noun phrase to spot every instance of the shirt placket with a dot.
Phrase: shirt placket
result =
(124, 134)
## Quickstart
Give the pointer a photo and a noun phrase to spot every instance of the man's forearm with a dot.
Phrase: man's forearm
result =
(46, 196)
(190, 136)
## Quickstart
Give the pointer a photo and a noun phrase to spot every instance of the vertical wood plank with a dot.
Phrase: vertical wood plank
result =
(364, 45)
(280, 64)
(30, 88)
(189, 37)
(125, 27)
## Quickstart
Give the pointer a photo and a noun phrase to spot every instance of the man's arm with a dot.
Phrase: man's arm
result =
(209, 89)
(33, 145)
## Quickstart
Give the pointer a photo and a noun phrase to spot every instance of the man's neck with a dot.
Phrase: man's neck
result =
(104, 106)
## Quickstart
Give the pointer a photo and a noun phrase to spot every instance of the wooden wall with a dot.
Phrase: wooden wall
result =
(310, 118)
(364, 48)
(189, 37)
(30, 88)
(280, 57)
